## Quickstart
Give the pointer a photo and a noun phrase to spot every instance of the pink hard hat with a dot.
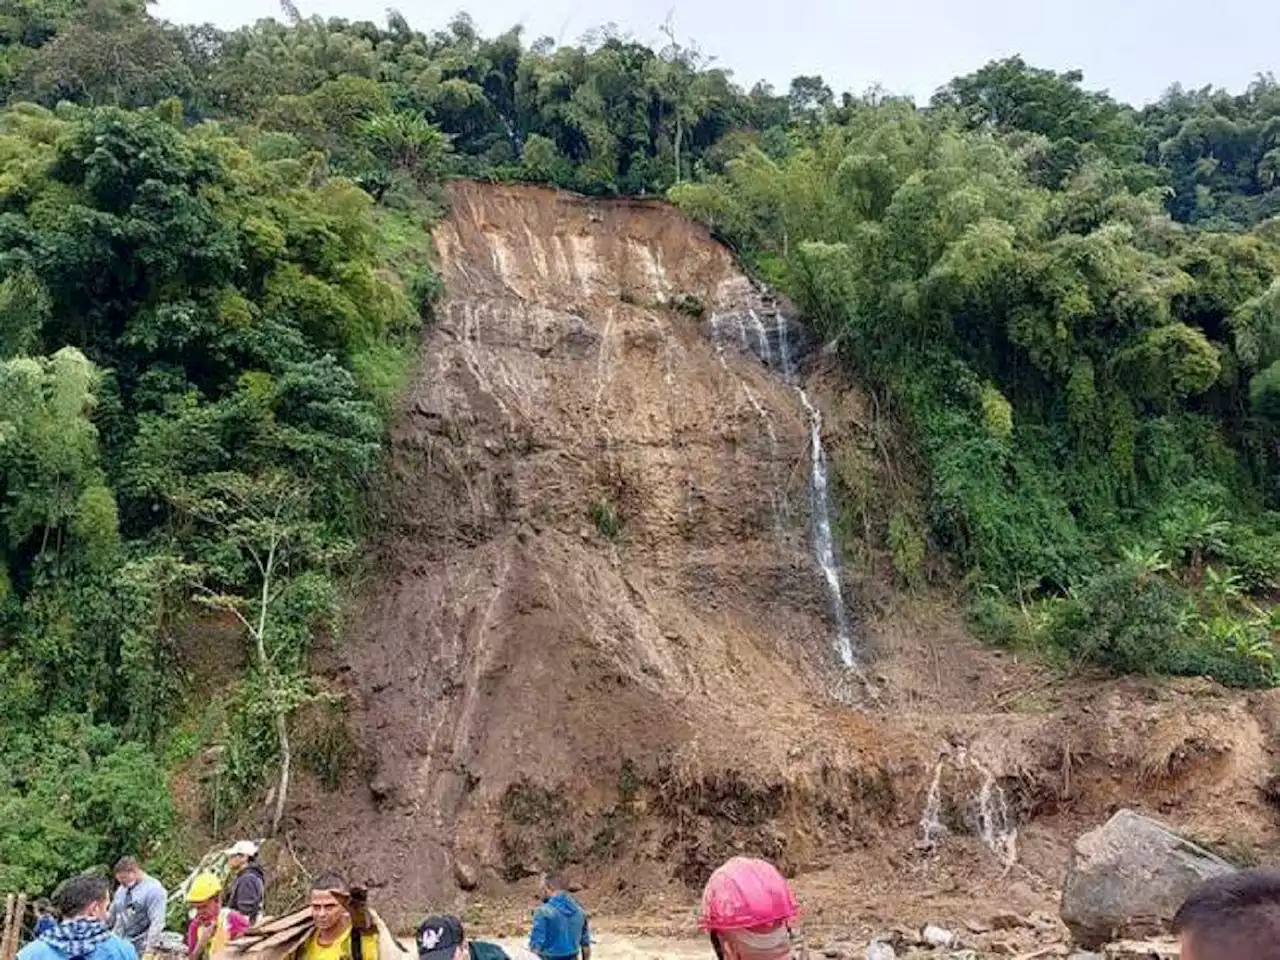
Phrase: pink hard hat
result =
(746, 893)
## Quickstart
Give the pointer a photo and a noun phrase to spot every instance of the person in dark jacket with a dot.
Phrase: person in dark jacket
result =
(560, 928)
(442, 938)
(250, 883)
(84, 934)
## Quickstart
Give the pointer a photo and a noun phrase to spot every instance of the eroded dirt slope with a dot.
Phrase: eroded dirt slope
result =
(519, 664)
(597, 636)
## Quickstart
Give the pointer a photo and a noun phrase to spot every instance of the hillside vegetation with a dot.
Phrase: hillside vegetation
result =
(216, 258)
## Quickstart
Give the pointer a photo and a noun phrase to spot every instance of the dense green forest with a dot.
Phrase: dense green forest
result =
(214, 264)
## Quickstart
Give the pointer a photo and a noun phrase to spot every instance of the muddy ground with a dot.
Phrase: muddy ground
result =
(594, 635)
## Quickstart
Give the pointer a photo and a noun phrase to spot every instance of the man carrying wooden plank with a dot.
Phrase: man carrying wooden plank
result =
(344, 929)
(337, 924)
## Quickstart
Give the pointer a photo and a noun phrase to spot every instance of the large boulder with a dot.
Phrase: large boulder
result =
(1128, 877)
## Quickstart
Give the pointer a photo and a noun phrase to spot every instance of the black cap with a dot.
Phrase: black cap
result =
(439, 937)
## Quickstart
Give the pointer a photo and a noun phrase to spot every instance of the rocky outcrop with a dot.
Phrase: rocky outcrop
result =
(1128, 877)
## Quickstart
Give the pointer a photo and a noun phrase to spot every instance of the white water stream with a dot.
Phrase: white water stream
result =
(823, 546)
(987, 809)
(751, 326)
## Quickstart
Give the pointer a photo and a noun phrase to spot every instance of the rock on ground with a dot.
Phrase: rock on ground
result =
(936, 936)
(1128, 877)
(464, 875)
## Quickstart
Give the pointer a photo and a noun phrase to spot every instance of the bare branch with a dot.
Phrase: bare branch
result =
(219, 602)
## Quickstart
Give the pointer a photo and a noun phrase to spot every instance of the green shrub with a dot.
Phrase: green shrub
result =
(907, 545)
(1132, 619)
(608, 524)
(1124, 619)
(689, 305)
(996, 622)
(1255, 558)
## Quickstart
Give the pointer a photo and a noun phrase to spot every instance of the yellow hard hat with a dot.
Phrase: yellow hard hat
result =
(204, 887)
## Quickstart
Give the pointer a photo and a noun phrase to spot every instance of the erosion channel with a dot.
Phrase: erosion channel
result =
(608, 625)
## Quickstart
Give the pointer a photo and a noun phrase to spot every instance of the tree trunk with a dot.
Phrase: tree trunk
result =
(269, 671)
(679, 137)
(286, 762)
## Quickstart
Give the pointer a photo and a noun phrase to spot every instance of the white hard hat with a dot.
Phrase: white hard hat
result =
(243, 848)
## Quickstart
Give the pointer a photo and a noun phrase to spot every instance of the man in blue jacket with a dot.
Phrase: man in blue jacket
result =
(560, 928)
(83, 934)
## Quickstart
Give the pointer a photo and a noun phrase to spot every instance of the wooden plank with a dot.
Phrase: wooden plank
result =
(390, 947)
(12, 920)
(283, 936)
(280, 923)
(21, 914)
(279, 951)
(247, 940)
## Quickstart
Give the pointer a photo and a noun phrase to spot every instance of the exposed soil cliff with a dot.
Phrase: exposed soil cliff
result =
(597, 634)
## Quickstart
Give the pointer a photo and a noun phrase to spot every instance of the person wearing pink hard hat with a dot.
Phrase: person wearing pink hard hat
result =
(747, 908)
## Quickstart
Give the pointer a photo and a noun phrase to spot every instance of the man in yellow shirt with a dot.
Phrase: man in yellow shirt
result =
(344, 928)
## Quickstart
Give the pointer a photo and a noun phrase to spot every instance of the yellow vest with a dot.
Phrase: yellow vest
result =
(340, 949)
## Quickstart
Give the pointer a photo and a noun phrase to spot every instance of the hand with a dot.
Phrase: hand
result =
(356, 903)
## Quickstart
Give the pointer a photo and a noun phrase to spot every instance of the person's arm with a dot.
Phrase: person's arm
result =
(585, 941)
(237, 923)
(257, 893)
(204, 934)
(538, 935)
(155, 913)
(236, 898)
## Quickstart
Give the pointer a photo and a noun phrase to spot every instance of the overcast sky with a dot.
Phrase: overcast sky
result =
(1134, 48)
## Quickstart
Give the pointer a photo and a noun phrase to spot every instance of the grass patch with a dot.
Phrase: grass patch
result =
(608, 524)
(689, 305)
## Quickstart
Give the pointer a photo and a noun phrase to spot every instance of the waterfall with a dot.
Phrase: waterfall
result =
(987, 810)
(823, 546)
(766, 355)
(751, 327)
(932, 829)
(996, 827)
(784, 348)
(715, 338)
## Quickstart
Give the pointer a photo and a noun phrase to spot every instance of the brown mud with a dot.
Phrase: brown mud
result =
(595, 636)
